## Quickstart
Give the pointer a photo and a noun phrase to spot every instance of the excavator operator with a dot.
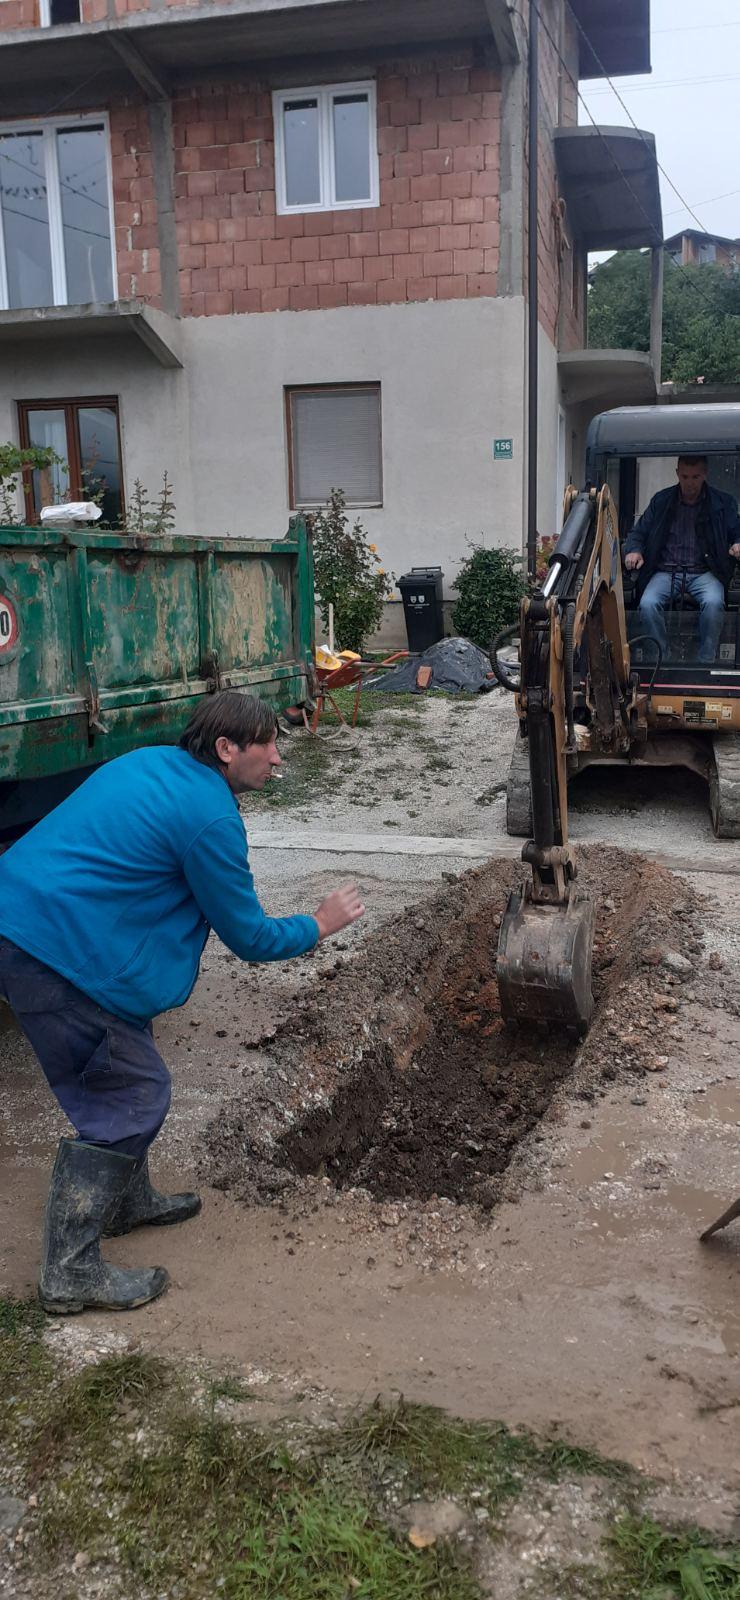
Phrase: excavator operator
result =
(685, 541)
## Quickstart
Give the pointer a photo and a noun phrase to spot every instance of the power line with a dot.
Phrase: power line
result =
(697, 27)
(670, 83)
(728, 194)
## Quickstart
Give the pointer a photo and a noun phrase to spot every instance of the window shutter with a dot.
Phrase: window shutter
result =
(336, 445)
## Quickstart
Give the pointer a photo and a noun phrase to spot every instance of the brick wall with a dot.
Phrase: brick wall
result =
(25, 13)
(561, 319)
(19, 14)
(434, 235)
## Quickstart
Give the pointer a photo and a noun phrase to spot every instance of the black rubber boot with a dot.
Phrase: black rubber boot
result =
(143, 1206)
(87, 1186)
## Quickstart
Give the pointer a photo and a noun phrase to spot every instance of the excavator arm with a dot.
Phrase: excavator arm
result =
(573, 625)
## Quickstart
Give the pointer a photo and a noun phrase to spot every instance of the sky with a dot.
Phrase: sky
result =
(691, 102)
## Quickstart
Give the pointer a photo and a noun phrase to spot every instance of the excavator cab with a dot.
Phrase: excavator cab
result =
(595, 687)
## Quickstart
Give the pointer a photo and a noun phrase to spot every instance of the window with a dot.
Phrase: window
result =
(84, 434)
(55, 211)
(326, 148)
(334, 442)
(52, 13)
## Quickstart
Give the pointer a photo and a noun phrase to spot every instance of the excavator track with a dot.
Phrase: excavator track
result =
(724, 786)
(519, 792)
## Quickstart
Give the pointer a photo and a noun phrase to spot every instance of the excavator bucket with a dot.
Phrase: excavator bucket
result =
(543, 965)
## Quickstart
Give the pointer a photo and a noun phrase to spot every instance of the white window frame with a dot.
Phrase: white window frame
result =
(49, 129)
(325, 95)
(45, 15)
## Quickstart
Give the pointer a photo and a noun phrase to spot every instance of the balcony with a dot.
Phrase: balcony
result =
(609, 180)
(127, 319)
(86, 64)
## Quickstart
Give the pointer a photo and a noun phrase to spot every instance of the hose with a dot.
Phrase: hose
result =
(506, 680)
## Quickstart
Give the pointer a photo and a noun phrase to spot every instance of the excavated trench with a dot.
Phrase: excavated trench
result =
(402, 1077)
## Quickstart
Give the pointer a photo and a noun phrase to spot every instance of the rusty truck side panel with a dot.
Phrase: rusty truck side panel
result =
(108, 640)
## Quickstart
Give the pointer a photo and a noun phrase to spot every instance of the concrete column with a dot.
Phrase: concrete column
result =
(657, 257)
(163, 169)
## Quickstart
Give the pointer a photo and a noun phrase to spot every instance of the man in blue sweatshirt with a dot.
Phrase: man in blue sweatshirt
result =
(105, 908)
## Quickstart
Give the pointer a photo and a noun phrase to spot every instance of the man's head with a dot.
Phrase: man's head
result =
(691, 472)
(236, 734)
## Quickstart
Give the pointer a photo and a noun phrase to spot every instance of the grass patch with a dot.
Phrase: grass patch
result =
(307, 768)
(653, 1564)
(373, 702)
(442, 1455)
(133, 1464)
(229, 1387)
(25, 1367)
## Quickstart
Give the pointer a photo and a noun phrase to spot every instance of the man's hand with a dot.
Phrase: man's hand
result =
(338, 910)
(634, 561)
(735, 551)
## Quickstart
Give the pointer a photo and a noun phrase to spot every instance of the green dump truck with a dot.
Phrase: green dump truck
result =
(108, 640)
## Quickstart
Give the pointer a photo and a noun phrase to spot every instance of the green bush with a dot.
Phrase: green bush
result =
(490, 586)
(16, 464)
(348, 575)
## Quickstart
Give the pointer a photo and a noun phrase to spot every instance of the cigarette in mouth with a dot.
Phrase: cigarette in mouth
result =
(277, 775)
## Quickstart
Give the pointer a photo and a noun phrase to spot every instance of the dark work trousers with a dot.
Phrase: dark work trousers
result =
(107, 1074)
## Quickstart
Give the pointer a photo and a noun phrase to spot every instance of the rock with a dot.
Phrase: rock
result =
(12, 1512)
(652, 958)
(715, 961)
(81, 1561)
(429, 1520)
(677, 963)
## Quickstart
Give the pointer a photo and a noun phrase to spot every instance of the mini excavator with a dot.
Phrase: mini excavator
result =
(592, 687)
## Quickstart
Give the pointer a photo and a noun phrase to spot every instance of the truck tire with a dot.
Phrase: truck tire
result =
(519, 793)
(724, 786)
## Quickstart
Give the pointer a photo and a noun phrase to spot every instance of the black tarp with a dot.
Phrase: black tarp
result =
(457, 666)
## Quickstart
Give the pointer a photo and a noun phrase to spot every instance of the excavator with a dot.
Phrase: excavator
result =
(593, 687)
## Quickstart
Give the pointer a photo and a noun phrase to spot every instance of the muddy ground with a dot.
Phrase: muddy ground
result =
(398, 1195)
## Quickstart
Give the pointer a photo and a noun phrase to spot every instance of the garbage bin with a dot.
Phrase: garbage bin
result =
(421, 592)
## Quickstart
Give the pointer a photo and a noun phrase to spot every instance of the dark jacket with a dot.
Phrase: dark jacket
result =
(718, 526)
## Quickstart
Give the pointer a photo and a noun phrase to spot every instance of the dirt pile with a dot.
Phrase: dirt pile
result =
(399, 1075)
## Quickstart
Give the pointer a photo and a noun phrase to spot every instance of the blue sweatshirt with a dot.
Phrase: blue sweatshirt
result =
(118, 888)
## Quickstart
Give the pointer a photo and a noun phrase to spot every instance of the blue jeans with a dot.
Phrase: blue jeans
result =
(107, 1075)
(705, 589)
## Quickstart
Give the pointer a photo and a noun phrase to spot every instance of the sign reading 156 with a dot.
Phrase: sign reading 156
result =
(8, 625)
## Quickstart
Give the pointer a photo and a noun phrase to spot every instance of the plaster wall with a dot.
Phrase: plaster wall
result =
(452, 380)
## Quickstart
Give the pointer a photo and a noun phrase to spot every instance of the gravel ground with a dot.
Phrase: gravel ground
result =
(583, 1301)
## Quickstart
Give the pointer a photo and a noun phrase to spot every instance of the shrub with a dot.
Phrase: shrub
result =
(348, 575)
(490, 587)
(15, 464)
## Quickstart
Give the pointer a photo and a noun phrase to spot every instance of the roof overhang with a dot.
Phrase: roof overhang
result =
(614, 35)
(81, 65)
(665, 430)
(158, 332)
(609, 180)
(606, 377)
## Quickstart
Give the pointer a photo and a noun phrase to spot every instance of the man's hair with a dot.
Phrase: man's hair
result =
(227, 715)
(692, 461)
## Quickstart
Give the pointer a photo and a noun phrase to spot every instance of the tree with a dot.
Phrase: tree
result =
(701, 316)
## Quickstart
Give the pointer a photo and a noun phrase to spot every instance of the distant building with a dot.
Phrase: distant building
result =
(694, 249)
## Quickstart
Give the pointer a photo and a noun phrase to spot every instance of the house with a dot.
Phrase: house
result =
(276, 246)
(693, 248)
